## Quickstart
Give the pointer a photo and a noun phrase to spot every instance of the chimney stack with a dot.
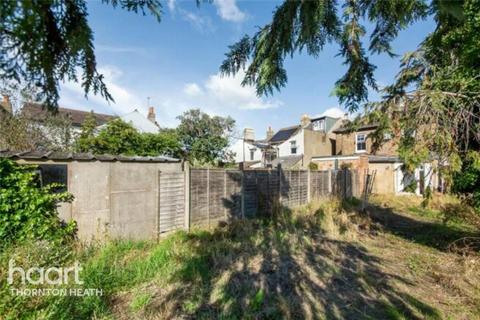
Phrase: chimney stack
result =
(248, 134)
(269, 133)
(305, 120)
(151, 115)
(6, 104)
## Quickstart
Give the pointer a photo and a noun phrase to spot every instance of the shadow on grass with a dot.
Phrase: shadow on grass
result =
(435, 235)
(284, 267)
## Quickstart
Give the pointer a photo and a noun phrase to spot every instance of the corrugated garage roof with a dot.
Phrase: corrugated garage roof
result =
(68, 156)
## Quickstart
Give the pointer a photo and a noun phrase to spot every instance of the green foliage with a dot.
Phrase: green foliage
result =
(467, 181)
(118, 137)
(86, 137)
(29, 212)
(309, 25)
(45, 42)
(313, 166)
(205, 139)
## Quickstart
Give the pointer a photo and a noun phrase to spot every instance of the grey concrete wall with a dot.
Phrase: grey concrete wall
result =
(113, 199)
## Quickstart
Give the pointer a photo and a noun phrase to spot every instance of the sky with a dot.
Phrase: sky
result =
(174, 65)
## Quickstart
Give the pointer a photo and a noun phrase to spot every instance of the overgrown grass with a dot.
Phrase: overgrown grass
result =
(323, 260)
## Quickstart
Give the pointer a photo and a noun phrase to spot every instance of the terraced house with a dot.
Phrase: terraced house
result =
(326, 141)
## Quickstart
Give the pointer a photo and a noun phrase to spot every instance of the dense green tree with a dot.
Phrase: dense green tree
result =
(48, 41)
(166, 142)
(86, 138)
(309, 25)
(28, 211)
(118, 137)
(205, 138)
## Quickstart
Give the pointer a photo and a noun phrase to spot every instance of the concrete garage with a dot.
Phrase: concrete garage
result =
(115, 196)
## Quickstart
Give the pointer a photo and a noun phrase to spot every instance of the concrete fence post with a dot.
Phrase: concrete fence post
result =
(208, 196)
(187, 183)
(279, 169)
(330, 173)
(158, 211)
(242, 193)
(309, 189)
(225, 193)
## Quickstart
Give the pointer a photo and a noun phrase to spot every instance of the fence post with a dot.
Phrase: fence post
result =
(208, 196)
(158, 212)
(309, 189)
(329, 187)
(242, 194)
(279, 169)
(187, 183)
(225, 193)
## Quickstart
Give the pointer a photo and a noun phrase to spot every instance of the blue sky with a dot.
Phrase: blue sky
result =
(176, 62)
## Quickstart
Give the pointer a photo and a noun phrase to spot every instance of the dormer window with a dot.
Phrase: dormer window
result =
(360, 142)
(319, 125)
(293, 147)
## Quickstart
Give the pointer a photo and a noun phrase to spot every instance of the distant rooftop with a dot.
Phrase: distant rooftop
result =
(284, 134)
(38, 112)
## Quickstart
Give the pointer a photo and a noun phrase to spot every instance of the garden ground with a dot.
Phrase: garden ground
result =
(322, 261)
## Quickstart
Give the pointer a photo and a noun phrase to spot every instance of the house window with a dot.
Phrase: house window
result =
(361, 142)
(293, 147)
(319, 125)
(252, 154)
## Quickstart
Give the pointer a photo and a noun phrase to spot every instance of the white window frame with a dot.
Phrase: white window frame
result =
(357, 135)
(319, 125)
(293, 145)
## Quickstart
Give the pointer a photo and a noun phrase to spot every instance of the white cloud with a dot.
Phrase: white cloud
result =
(171, 5)
(121, 49)
(72, 94)
(229, 11)
(201, 23)
(192, 89)
(229, 91)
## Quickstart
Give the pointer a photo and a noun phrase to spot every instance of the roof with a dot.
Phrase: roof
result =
(345, 129)
(140, 122)
(69, 156)
(284, 134)
(38, 112)
(287, 161)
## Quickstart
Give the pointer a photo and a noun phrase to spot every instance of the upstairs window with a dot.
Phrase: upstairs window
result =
(293, 147)
(361, 142)
(319, 125)
(252, 154)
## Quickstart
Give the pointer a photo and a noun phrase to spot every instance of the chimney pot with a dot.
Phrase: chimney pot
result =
(151, 115)
(305, 120)
(269, 133)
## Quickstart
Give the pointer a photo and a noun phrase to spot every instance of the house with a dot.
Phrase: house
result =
(295, 146)
(355, 149)
(140, 122)
(36, 112)
(248, 150)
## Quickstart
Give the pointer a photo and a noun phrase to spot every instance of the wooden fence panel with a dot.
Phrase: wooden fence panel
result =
(171, 201)
(199, 197)
(319, 184)
(218, 194)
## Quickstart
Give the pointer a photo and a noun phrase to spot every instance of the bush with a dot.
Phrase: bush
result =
(28, 211)
(466, 182)
(313, 166)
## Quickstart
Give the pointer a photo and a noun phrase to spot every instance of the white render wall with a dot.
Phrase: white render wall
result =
(284, 148)
(238, 148)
